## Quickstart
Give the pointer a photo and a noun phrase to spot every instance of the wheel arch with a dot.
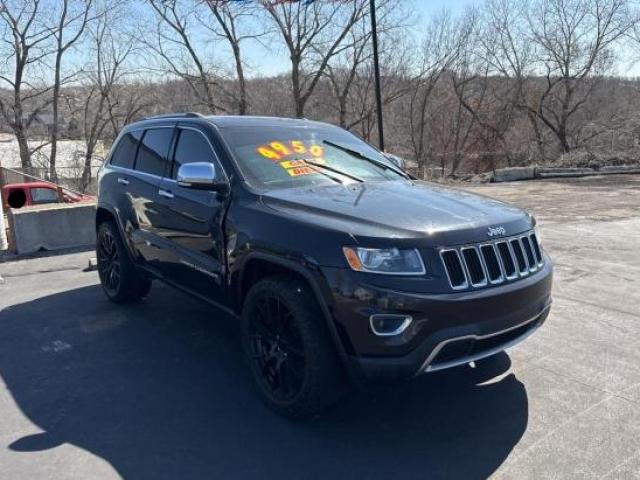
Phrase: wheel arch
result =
(258, 265)
(105, 213)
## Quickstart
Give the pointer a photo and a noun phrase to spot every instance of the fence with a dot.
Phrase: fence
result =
(68, 176)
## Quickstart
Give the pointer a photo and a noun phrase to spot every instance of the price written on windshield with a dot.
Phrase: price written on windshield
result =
(275, 150)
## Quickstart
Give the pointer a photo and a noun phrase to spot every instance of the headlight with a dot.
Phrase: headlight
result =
(389, 261)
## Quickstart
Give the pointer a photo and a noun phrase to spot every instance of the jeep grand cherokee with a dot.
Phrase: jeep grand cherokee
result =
(339, 265)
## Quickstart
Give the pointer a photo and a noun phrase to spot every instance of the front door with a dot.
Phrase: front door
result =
(191, 221)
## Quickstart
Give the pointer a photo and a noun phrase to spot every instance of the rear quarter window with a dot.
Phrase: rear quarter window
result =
(124, 153)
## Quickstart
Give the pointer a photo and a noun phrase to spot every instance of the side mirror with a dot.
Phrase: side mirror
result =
(201, 176)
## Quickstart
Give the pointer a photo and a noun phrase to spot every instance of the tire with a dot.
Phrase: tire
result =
(289, 349)
(120, 279)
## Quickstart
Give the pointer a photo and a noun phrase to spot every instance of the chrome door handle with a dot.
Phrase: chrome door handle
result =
(123, 181)
(165, 193)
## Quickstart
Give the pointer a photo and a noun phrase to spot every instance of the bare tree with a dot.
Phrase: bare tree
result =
(127, 102)
(444, 40)
(111, 49)
(174, 42)
(26, 44)
(229, 17)
(490, 77)
(574, 47)
(350, 66)
(343, 72)
(361, 103)
(72, 21)
(313, 33)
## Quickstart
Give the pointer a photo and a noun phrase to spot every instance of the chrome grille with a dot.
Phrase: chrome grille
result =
(507, 260)
(492, 262)
(518, 253)
(474, 266)
(454, 269)
(536, 248)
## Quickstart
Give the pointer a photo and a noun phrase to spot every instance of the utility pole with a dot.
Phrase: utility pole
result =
(376, 72)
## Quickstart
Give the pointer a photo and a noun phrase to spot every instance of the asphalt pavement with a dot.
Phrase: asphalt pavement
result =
(158, 389)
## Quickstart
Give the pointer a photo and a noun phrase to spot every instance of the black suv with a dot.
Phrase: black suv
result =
(340, 266)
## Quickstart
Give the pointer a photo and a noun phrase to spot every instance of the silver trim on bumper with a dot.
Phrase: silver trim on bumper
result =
(406, 321)
(427, 367)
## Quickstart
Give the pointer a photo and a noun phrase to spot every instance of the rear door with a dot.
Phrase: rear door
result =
(116, 184)
(192, 221)
(151, 161)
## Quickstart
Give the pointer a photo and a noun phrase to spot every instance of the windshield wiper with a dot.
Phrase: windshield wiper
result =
(332, 169)
(335, 179)
(357, 154)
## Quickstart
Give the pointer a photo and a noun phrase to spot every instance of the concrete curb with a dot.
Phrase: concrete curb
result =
(513, 174)
(15, 257)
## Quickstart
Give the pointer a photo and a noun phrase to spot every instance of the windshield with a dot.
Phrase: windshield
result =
(287, 157)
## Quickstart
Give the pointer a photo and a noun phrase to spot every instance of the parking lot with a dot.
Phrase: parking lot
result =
(158, 390)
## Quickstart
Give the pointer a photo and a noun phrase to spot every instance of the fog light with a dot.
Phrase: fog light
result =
(387, 325)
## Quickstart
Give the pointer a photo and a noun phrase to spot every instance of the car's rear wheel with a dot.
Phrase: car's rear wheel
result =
(288, 347)
(120, 279)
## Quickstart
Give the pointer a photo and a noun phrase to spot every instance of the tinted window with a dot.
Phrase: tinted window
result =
(125, 152)
(192, 147)
(152, 155)
(44, 195)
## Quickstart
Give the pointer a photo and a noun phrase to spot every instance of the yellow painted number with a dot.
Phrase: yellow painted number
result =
(297, 146)
(315, 150)
(268, 153)
(280, 148)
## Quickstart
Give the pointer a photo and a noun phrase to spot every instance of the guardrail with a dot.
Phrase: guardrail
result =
(529, 173)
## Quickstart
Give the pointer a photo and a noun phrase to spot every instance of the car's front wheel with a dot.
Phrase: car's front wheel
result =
(120, 279)
(288, 347)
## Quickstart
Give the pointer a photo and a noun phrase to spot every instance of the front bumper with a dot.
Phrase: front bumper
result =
(448, 329)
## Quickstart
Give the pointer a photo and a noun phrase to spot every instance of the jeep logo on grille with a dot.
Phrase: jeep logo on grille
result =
(496, 231)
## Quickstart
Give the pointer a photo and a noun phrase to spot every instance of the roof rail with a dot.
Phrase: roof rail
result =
(176, 115)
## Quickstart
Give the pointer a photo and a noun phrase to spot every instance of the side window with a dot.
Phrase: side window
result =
(152, 155)
(125, 152)
(43, 195)
(192, 147)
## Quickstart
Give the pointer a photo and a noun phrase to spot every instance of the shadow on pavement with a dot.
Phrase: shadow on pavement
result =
(159, 390)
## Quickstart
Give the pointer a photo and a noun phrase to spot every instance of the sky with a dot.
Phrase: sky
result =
(278, 61)
(266, 61)
(272, 59)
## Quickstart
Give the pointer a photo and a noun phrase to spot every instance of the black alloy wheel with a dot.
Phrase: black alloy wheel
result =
(289, 349)
(121, 280)
(108, 262)
(276, 348)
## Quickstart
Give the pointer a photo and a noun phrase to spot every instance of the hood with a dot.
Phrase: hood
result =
(396, 210)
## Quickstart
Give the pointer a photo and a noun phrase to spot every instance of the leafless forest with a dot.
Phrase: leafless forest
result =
(507, 82)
